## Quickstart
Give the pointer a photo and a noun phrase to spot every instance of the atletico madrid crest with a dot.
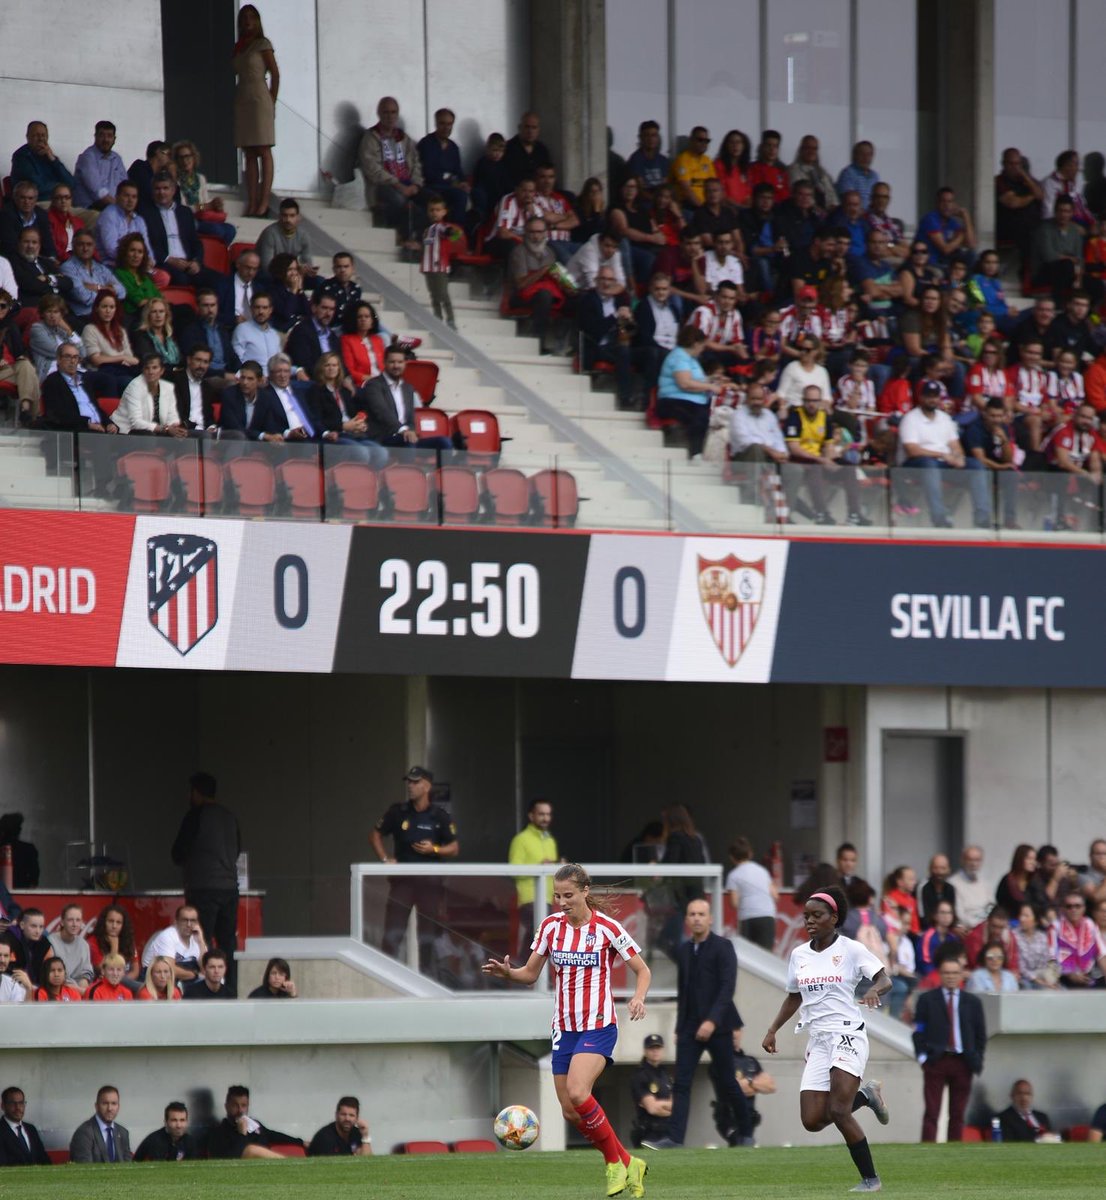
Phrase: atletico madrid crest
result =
(731, 592)
(182, 588)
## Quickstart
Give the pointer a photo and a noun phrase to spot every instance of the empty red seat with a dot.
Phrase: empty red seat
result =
(971, 1133)
(506, 495)
(475, 1146)
(422, 375)
(148, 474)
(201, 480)
(288, 1150)
(425, 1148)
(476, 256)
(408, 492)
(357, 490)
(108, 404)
(303, 480)
(480, 431)
(57, 1157)
(215, 253)
(431, 422)
(180, 295)
(1079, 1133)
(556, 501)
(255, 482)
(460, 494)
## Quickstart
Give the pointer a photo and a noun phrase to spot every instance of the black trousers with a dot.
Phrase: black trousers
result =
(723, 1075)
(218, 913)
(426, 896)
(695, 418)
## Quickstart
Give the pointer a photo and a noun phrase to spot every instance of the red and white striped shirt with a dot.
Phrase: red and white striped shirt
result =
(793, 324)
(553, 205)
(728, 329)
(1030, 385)
(1069, 392)
(582, 960)
(512, 217)
(437, 244)
(992, 384)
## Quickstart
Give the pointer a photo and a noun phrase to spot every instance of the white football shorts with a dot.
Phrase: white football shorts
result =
(846, 1049)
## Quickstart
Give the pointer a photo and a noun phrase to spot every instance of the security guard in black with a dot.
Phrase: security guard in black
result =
(653, 1080)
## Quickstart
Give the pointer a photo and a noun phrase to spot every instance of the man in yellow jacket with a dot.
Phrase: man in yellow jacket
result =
(533, 845)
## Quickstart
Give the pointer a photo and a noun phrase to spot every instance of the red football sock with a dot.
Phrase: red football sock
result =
(597, 1129)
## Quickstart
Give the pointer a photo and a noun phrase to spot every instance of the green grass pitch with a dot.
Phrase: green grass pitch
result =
(1072, 1172)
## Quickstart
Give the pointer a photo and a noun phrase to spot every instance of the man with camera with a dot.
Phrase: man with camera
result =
(607, 327)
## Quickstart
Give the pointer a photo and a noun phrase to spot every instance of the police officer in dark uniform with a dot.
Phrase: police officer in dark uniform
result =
(421, 832)
(651, 1088)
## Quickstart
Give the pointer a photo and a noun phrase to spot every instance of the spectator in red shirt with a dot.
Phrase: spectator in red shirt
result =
(732, 167)
(159, 983)
(113, 933)
(1094, 379)
(767, 168)
(64, 222)
(1073, 452)
(111, 985)
(996, 928)
(681, 264)
(54, 987)
(899, 889)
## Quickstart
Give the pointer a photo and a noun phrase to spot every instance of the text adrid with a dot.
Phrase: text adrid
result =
(916, 615)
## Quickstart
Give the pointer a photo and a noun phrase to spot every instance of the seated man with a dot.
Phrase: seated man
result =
(195, 393)
(212, 984)
(236, 293)
(310, 340)
(514, 211)
(1072, 451)
(281, 414)
(101, 1139)
(987, 441)
(755, 434)
(1057, 254)
(119, 219)
(172, 1142)
(1018, 199)
(606, 322)
(389, 161)
(37, 274)
(721, 322)
(812, 442)
(722, 264)
(349, 1134)
(24, 213)
(525, 152)
(651, 1090)
(389, 403)
(207, 331)
(342, 286)
(37, 163)
(768, 169)
(1021, 1122)
(20, 1143)
(143, 170)
(532, 276)
(715, 215)
(285, 236)
(256, 338)
(182, 943)
(171, 229)
(89, 276)
(948, 231)
(239, 403)
(441, 165)
(683, 264)
(764, 239)
(110, 986)
(878, 220)
(691, 169)
(15, 985)
(600, 250)
(560, 216)
(859, 174)
(658, 324)
(68, 942)
(99, 170)
(798, 219)
(873, 274)
(238, 1135)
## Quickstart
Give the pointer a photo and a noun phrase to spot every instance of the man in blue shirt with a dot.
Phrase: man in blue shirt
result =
(948, 230)
(119, 219)
(647, 162)
(89, 276)
(850, 216)
(441, 165)
(858, 176)
(37, 162)
(99, 170)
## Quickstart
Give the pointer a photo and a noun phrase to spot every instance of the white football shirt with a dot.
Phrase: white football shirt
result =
(827, 981)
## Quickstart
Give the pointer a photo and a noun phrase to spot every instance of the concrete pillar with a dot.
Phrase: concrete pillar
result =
(568, 89)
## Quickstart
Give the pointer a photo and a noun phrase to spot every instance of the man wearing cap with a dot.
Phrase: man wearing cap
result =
(651, 1088)
(421, 833)
(531, 847)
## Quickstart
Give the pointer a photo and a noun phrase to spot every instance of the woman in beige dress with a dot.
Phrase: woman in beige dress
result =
(255, 108)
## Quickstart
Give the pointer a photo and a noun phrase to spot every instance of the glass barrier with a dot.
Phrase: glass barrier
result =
(444, 922)
(134, 473)
(38, 469)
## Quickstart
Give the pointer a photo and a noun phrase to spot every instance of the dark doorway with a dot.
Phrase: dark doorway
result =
(923, 798)
(575, 779)
(197, 41)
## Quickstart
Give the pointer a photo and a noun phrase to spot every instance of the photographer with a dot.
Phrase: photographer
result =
(607, 328)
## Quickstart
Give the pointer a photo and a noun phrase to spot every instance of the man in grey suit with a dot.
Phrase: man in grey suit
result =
(389, 406)
(101, 1139)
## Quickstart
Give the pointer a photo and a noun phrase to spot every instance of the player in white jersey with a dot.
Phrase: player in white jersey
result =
(822, 977)
(581, 941)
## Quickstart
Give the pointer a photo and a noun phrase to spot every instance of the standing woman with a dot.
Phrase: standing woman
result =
(822, 976)
(255, 108)
(581, 941)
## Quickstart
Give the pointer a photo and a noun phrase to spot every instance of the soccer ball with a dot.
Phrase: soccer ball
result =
(516, 1127)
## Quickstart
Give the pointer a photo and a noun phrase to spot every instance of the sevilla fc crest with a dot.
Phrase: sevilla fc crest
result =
(731, 593)
(182, 588)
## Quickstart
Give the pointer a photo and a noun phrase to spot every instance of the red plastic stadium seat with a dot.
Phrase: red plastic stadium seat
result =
(475, 1146)
(304, 481)
(431, 422)
(460, 495)
(480, 431)
(180, 295)
(358, 488)
(215, 253)
(971, 1133)
(652, 419)
(425, 1148)
(506, 495)
(149, 477)
(409, 490)
(108, 404)
(236, 248)
(255, 483)
(507, 309)
(24, 319)
(201, 481)
(1078, 1133)
(476, 257)
(57, 1157)
(290, 1151)
(422, 375)
(555, 496)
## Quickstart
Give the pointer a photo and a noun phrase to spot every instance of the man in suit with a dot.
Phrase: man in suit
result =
(389, 406)
(101, 1139)
(658, 322)
(236, 291)
(70, 400)
(195, 393)
(207, 330)
(310, 340)
(239, 402)
(950, 1036)
(24, 213)
(1021, 1122)
(281, 414)
(20, 1144)
(172, 232)
(706, 1017)
(606, 321)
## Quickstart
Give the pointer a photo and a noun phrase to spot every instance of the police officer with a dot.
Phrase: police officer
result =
(421, 832)
(651, 1088)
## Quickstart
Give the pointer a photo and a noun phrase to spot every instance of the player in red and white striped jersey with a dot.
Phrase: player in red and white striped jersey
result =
(581, 941)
